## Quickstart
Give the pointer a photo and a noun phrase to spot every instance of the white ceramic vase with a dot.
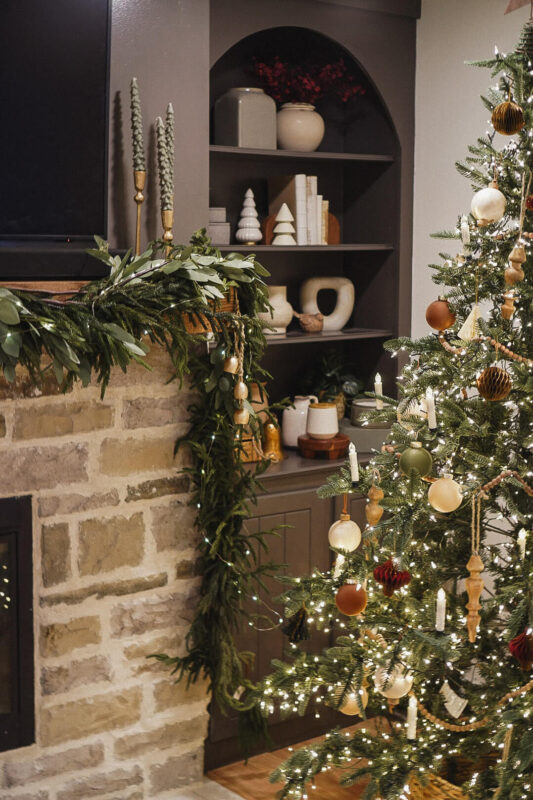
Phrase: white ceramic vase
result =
(343, 307)
(299, 127)
(282, 311)
(294, 420)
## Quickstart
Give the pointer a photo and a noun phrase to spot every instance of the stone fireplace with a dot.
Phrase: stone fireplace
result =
(113, 581)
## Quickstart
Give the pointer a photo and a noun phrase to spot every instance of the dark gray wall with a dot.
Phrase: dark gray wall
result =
(165, 44)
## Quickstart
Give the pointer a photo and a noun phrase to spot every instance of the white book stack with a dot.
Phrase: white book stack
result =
(309, 209)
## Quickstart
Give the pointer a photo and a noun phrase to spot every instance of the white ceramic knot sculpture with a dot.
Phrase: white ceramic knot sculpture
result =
(345, 300)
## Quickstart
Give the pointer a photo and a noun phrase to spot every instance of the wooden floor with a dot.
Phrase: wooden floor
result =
(250, 780)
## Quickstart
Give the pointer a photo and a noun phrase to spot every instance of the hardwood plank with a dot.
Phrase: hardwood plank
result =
(49, 287)
(250, 779)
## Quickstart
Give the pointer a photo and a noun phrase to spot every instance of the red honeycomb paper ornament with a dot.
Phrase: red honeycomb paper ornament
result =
(390, 577)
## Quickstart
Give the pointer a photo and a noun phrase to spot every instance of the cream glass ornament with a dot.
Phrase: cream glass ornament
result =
(488, 205)
(393, 684)
(351, 706)
(445, 494)
(345, 534)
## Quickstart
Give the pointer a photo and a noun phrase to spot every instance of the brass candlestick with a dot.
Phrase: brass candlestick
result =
(167, 218)
(139, 179)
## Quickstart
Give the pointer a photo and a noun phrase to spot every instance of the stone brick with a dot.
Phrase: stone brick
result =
(70, 503)
(62, 637)
(126, 456)
(77, 673)
(30, 468)
(101, 784)
(173, 526)
(151, 412)
(61, 419)
(159, 487)
(55, 553)
(160, 372)
(24, 385)
(163, 644)
(168, 694)
(189, 568)
(134, 745)
(176, 772)
(22, 772)
(80, 718)
(152, 613)
(107, 589)
(27, 796)
(106, 544)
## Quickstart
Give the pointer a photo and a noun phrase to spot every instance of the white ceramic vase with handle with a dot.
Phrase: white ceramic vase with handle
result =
(294, 420)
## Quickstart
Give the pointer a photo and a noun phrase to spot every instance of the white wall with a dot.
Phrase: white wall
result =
(449, 117)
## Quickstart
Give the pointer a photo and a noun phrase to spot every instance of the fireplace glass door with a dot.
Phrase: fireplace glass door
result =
(16, 624)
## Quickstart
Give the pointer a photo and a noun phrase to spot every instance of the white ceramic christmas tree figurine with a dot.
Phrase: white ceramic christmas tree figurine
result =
(248, 228)
(284, 229)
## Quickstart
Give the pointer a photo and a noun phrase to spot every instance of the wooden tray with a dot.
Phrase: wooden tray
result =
(324, 448)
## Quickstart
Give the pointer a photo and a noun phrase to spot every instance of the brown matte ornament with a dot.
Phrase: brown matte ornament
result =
(241, 416)
(240, 391)
(494, 384)
(508, 118)
(351, 599)
(529, 202)
(439, 315)
(474, 586)
(231, 365)
(373, 511)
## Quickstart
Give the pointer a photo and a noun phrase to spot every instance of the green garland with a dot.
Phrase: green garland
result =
(107, 324)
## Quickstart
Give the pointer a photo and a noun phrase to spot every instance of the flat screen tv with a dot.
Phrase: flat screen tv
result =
(53, 123)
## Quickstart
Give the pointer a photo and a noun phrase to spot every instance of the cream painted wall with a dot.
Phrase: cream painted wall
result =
(449, 117)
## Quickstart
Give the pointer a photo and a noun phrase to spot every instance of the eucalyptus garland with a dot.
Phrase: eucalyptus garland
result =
(111, 322)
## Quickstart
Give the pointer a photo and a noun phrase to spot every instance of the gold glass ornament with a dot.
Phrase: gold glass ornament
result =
(240, 391)
(494, 384)
(351, 706)
(445, 495)
(508, 118)
(345, 534)
(392, 684)
(231, 365)
(488, 205)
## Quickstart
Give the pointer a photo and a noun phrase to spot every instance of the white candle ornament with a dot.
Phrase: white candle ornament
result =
(441, 610)
(430, 403)
(412, 713)
(378, 389)
(465, 230)
(354, 466)
(522, 542)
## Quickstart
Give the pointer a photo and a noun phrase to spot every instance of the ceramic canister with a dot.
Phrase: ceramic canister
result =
(322, 421)
(294, 421)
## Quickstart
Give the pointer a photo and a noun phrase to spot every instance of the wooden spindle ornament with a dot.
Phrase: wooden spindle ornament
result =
(373, 511)
(507, 308)
(474, 586)
(139, 179)
(514, 272)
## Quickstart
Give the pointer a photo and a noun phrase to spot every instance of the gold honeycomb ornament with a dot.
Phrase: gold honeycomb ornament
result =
(508, 118)
(494, 383)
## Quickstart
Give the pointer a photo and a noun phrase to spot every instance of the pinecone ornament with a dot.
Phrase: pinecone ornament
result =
(494, 384)
(391, 578)
(521, 648)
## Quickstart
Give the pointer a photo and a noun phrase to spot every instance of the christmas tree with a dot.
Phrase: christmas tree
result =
(430, 609)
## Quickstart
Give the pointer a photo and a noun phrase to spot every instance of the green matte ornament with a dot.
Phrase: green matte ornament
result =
(416, 457)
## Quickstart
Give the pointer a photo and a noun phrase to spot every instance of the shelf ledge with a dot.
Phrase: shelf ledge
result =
(248, 152)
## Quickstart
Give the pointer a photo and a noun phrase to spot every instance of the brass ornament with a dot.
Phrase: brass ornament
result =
(508, 118)
(231, 365)
(139, 180)
(494, 384)
(240, 390)
(241, 416)
(272, 449)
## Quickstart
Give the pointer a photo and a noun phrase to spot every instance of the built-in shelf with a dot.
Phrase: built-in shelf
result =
(312, 248)
(294, 464)
(301, 337)
(246, 152)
